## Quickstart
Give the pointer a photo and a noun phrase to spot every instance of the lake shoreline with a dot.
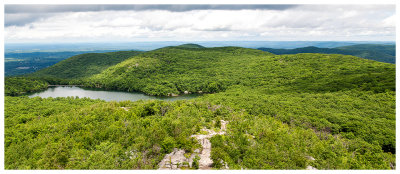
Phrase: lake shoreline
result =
(107, 95)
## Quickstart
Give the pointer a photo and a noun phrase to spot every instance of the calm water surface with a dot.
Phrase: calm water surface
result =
(65, 91)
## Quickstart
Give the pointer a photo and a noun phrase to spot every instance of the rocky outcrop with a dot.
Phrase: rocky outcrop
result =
(177, 159)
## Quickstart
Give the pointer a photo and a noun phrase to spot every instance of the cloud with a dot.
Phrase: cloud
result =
(129, 7)
(306, 22)
(20, 19)
(20, 15)
(390, 21)
(216, 29)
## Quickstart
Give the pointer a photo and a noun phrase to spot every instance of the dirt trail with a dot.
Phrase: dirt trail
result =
(177, 159)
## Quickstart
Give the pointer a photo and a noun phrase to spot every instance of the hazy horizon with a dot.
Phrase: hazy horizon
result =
(151, 45)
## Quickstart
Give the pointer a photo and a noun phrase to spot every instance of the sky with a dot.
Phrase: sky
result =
(130, 23)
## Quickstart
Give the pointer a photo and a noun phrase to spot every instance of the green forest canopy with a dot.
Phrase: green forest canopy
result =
(84, 65)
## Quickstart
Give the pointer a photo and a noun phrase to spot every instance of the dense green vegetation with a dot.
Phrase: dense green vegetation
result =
(352, 114)
(260, 142)
(282, 109)
(377, 52)
(20, 85)
(64, 133)
(175, 70)
(71, 133)
(84, 65)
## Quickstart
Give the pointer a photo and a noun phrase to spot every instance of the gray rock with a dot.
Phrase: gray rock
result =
(311, 168)
(310, 158)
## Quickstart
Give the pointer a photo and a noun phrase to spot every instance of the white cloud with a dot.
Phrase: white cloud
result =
(390, 21)
(307, 22)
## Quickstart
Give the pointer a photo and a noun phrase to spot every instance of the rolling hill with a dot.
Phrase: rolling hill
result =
(176, 69)
(84, 65)
(190, 46)
(381, 53)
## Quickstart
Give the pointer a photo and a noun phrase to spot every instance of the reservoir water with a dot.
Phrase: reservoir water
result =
(66, 91)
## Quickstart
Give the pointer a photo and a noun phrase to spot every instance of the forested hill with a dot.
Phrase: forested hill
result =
(381, 53)
(84, 65)
(175, 70)
(190, 46)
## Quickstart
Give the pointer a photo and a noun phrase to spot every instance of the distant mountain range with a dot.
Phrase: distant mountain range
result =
(377, 52)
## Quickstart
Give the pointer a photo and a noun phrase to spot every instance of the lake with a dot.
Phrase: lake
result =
(66, 91)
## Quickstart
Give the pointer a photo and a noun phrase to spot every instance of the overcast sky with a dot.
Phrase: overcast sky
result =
(129, 23)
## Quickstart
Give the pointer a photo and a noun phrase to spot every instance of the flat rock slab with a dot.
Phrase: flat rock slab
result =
(171, 160)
